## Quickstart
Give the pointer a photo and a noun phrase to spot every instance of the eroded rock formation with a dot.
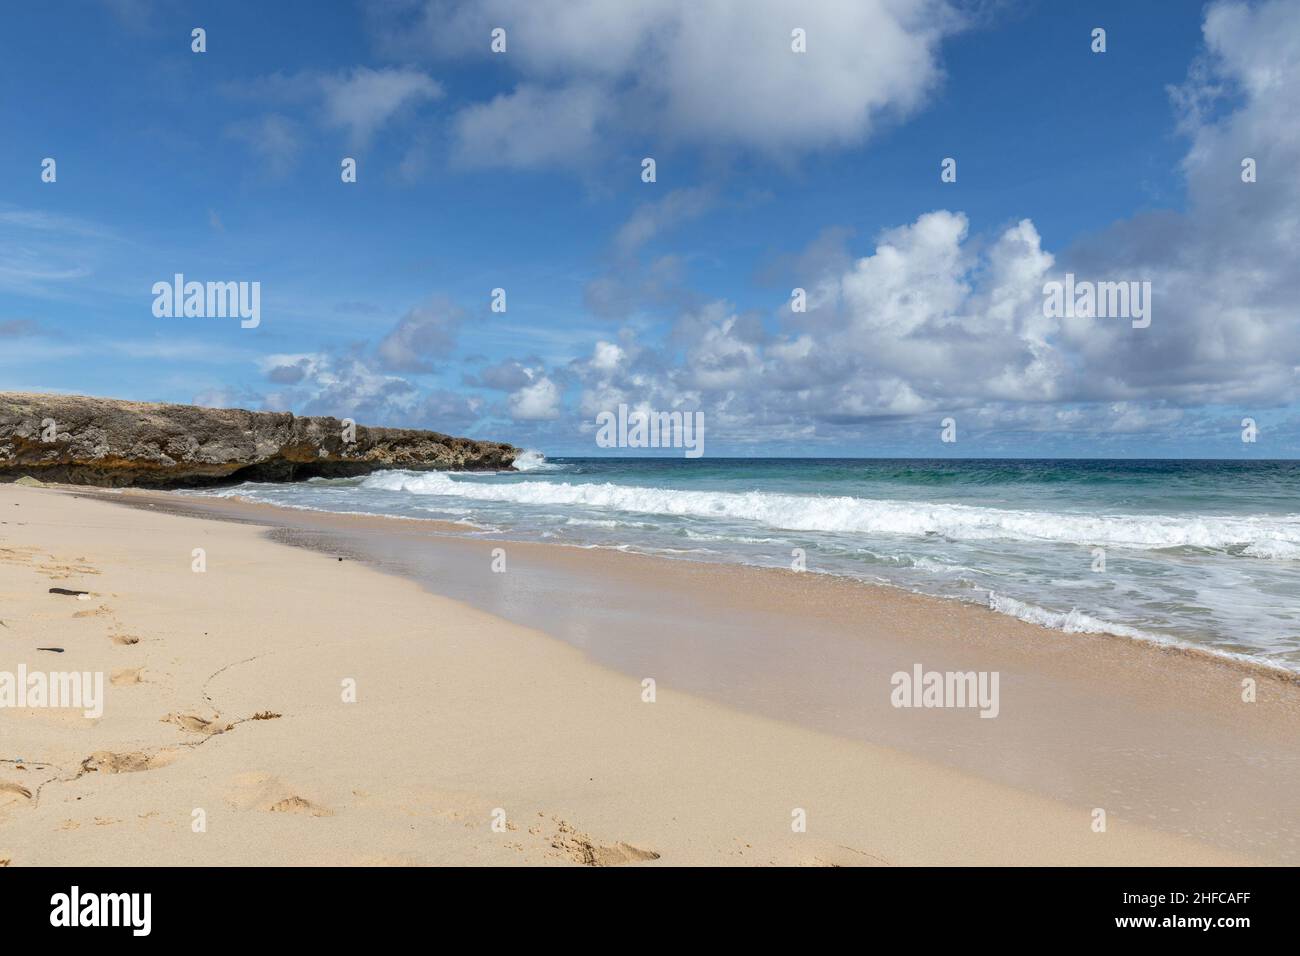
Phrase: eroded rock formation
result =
(102, 441)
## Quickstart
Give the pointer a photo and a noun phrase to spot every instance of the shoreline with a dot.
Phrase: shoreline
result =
(1246, 662)
(751, 720)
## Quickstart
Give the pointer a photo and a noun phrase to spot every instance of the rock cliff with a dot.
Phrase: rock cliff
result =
(101, 441)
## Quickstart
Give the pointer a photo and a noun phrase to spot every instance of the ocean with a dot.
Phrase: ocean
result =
(1205, 553)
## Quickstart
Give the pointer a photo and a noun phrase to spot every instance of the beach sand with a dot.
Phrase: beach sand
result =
(225, 703)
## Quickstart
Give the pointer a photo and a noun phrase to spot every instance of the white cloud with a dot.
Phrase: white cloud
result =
(421, 338)
(722, 358)
(507, 376)
(606, 357)
(651, 218)
(347, 385)
(935, 320)
(363, 100)
(1226, 272)
(530, 127)
(359, 101)
(537, 401)
(717, 73)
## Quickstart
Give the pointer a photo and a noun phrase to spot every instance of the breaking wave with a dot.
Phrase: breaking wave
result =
(1270, 537)
(530, 460)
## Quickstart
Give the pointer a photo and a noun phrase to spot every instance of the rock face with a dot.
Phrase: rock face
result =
(101, 441)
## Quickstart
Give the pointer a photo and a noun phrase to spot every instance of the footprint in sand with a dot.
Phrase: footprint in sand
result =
(126, 675)
(22, 555)
(124, 639)
(196, 724)
(582, 849)
(61, 572)
(11, 793)
(104, 761)
(301, 806)
(267, 792)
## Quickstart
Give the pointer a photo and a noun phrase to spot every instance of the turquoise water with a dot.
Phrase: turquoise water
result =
(1200, 552)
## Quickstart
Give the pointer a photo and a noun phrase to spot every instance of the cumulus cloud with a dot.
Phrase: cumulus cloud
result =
(937, 319)
(537, 401)
(927, 319)
(719, 73)
(421, 338)
(1226, 271)
(372, 384)
(349, 383)
(505, 376)
(606, 357)
(932, 317)
(534, 396)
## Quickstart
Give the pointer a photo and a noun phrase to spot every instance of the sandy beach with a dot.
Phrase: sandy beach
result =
(298, 705)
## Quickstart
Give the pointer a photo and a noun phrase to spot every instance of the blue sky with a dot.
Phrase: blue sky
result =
(522, 170)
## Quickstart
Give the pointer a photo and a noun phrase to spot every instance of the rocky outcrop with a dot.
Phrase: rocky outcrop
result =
(101, 441)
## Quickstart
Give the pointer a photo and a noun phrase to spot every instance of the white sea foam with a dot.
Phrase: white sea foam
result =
(530, 460)
(1276, 537)
(1071, 622)
(1076, 622)
(1277, 548)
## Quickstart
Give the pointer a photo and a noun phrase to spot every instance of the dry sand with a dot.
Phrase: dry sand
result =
(460, 718)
